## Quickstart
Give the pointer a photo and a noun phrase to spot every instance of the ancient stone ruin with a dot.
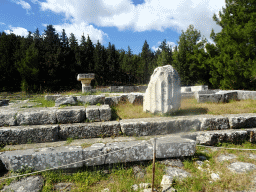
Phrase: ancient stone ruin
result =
(164, 92)
(86, 81)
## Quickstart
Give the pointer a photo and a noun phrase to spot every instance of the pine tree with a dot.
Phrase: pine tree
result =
(236, 43)
(146, 56)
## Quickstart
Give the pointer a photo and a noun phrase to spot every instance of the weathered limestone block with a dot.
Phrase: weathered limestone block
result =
(172, 146)
(93, 113)
(164, 92)
(105, 112)
(43, 158)
(65, 100)
(92, 99)
(128, 89)
(89, 130)
(135, 98)
(111, 128)
(36, 117)
(242, 121)
(98, 113)
(8, 118)
(158, 126)
(31, 183)
(75, 114)
(215, 123)
(214, 137)
(25, 134)
(80, 130)
(94, 151)
(142, 151)
(116, 89)
(51, 97)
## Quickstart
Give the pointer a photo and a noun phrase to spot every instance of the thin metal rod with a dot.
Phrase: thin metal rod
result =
(154, 159)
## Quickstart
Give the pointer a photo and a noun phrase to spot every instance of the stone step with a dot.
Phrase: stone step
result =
(54, 115)
(102, 153)
(127, 127)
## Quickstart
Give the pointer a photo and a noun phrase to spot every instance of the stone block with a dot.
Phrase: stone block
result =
(215, 123)
(143, 150)
(75, 114)
(141, 88)
(52, 157)
(8, 118)
(116, 89)
(43, 158)
(158, 126)
(135, 98)
(92, 99)
(105, 113)
(172, 146)
(89, 130)
(36, 117)
(80, 131)
(94, 151)
(110, 101)
(213, 137)
(65, 100)
(51, 97)
(242, 121)
(93, 113)
(114, 153)
(128, 89)
(164, 92)
(26, 134)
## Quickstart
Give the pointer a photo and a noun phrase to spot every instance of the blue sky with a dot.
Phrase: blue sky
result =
(121, 22)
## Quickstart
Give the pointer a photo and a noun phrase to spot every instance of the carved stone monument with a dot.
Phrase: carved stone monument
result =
(85, 79)
(164, 92)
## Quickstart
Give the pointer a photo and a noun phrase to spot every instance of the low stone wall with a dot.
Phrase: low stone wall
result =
(129, 127)
(54, 115)
(44, 158)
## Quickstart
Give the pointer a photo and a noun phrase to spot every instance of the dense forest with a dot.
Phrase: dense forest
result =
(51, 62)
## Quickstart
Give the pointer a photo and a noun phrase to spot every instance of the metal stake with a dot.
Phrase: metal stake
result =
(154, 158)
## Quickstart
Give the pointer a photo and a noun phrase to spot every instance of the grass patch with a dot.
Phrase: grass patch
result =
(188, 107)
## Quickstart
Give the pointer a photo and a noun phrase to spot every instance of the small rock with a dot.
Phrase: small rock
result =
(167, 180)
(241, 167)
(138, 172)
(226, 157)
(252, 156)
(63, 187)
(202, 158)
(215, 176)
(32, 183)
(172, 162)
(145, 185)
(135, 187)
(200, 163)
(176, 172)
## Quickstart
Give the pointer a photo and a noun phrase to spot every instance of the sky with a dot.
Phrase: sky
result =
(121, 22)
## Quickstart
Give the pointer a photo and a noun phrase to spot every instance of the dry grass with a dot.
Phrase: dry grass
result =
(189, 107)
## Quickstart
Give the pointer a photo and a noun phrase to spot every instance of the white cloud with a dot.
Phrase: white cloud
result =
(79, 29)
(1, 23)
(17, 30)
(23, 4)
(151, 15)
